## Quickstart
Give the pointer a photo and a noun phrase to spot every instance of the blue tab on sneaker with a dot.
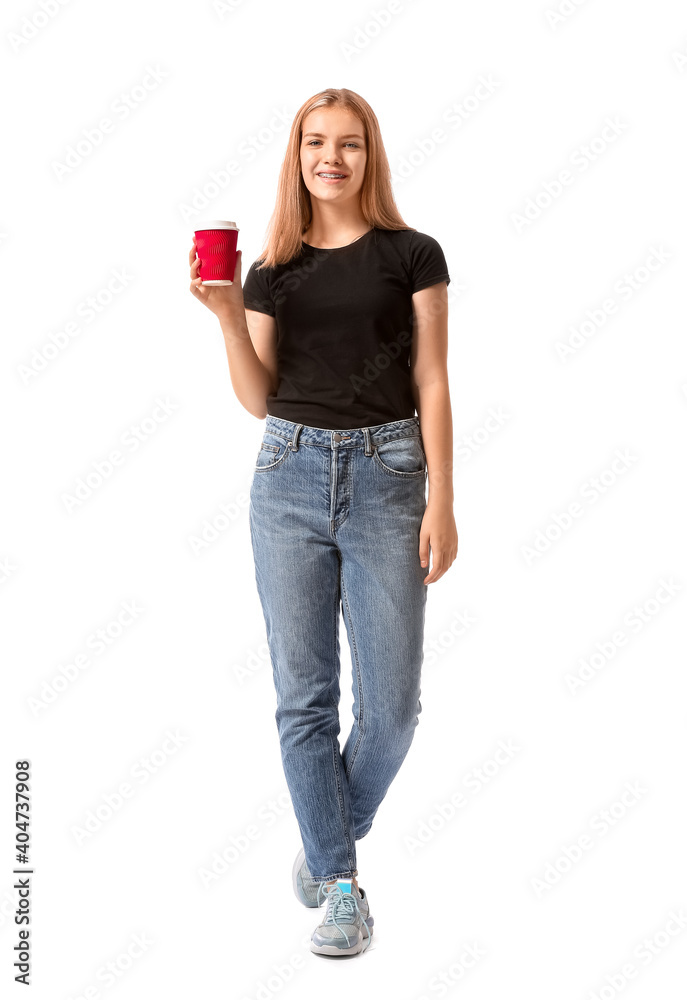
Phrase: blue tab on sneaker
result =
(346, 884)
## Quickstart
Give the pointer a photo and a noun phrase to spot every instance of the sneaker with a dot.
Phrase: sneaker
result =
(306, 890)
(347, 926)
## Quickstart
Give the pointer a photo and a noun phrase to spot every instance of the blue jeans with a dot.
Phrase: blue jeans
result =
(335, 522)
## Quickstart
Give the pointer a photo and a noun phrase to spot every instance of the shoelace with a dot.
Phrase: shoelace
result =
(343, 905)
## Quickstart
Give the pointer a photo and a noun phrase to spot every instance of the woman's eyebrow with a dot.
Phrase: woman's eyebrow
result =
(320, 135)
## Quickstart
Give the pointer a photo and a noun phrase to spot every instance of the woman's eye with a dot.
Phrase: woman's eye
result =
(346, 144)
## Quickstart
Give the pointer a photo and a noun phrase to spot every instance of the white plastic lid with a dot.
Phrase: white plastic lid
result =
(215, 224)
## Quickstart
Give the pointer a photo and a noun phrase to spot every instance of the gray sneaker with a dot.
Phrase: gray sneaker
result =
(306, 890)
(347, 926)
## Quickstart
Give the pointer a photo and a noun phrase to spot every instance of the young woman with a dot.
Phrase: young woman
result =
(337, 338)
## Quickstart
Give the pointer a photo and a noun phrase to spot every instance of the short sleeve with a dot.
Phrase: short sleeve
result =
(427, 262)
(256, 290)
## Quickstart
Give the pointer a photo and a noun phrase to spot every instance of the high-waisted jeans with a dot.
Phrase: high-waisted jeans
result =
(335, 523)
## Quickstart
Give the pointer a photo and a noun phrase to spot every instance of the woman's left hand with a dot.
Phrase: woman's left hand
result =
(438, 531)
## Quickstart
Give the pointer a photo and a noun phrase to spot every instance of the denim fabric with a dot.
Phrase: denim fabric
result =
(335, 524)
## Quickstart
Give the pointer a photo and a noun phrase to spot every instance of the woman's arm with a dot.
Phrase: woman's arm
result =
(430, 387)
(250, 338)
(429, 380)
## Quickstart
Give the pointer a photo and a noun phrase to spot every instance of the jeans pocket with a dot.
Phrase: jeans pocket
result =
(402, 457)
(273, 451)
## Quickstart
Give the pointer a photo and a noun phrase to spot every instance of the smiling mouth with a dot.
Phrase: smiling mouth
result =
(330, 175)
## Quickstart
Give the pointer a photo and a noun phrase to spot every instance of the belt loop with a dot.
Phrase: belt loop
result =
(368, 443)
(296, 434)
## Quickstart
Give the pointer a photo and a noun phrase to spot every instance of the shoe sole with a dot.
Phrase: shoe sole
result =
(332, 949)
(297, 865)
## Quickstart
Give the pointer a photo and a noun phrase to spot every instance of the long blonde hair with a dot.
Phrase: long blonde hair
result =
(293, 209)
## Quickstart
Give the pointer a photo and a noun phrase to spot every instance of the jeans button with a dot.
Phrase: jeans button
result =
(337, 437)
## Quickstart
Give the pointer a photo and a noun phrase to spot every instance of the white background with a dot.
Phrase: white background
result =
(504, 632)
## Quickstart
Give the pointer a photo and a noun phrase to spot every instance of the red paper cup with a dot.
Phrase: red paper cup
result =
(216, 247)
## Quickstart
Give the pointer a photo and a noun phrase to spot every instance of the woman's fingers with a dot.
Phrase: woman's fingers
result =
(195, 264)
(196, 285)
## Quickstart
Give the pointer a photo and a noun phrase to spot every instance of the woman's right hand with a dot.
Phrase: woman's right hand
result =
(220, 299)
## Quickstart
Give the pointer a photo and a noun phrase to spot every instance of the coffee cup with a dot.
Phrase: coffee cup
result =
(216, 246)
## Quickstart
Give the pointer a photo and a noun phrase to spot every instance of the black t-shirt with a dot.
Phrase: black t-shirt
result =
(344, 326)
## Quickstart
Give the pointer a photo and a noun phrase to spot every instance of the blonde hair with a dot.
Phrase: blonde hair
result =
(293, 209)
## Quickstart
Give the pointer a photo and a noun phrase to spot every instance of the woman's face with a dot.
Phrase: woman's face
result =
(333, 141)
